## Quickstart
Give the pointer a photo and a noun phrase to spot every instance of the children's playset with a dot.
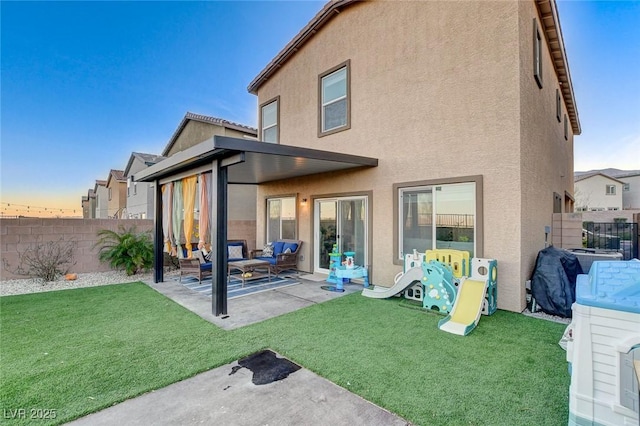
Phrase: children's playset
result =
(447, 282)
(341, 271)
(603, 345)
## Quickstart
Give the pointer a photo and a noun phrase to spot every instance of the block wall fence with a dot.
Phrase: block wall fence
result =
(17, 235)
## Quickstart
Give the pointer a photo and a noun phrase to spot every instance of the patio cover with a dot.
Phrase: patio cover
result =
(235, 161)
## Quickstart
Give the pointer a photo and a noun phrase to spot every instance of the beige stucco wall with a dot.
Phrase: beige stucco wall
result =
(546, 158)
(435, 93)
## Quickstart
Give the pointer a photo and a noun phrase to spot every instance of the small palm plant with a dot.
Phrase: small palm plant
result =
(126, 249)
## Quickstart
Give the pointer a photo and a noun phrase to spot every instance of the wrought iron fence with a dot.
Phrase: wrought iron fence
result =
(621, 237)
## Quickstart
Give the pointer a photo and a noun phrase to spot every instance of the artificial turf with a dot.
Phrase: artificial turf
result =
(78, 351)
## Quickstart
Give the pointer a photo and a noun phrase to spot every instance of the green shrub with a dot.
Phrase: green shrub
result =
(126, 249)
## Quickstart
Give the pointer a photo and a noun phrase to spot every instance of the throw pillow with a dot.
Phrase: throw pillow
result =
(235, 252)
(207, 255)
(288, 250)
(267, 251)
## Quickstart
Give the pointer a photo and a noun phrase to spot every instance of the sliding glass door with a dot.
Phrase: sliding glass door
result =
(341, 221)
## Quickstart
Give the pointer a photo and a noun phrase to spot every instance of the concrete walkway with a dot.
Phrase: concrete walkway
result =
(227, 396)
(235, 394)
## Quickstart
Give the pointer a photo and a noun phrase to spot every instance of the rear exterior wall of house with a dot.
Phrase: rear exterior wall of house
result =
(439, 91)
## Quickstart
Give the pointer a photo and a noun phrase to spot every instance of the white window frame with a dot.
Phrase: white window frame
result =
(275, 125)
(322, 130)
(477, 217)
(610, 189)
(270, 238)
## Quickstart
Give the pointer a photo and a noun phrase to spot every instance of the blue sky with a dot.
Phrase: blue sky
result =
(86, 83)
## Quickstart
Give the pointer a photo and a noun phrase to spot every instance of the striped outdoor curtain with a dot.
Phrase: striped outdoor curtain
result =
(167, 208)
(189, 195)
(177, 217)
(205, 182)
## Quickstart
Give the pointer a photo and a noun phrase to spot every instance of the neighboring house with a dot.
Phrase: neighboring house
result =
(630, 190)
(394, 126)
(140, 195)
(117, 194)
(85, 207)
(629, 179)
(92, 203)
(597, 192)
(196, 128)
(102, 199)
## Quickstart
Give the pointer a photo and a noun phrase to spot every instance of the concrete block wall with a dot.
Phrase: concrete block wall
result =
(18, 235)
(567, 230)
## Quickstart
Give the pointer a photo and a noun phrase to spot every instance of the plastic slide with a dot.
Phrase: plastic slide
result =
(406, 280)
(467, 308)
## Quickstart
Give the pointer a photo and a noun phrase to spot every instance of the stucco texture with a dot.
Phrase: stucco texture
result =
(438, 90)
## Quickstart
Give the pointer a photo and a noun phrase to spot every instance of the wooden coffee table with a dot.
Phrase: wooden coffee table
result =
(249, 266)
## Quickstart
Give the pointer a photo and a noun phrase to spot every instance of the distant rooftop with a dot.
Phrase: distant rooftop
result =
(207, 119)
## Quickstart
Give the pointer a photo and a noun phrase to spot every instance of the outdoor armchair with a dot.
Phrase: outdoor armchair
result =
(284, 255)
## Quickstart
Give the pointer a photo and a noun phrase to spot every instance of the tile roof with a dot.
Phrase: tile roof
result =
(147, 159)
(207, 119)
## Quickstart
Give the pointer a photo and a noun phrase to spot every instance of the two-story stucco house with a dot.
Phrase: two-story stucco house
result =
(101, 199)
(394, 126)
(598, 192)
(139, 195)
(469, 108)
(116, 194)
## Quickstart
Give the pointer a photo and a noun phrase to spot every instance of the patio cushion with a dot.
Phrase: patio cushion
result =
(278, 247)
(205, 266)
(271, 260)
(235, 252)
(267, 251)
(292, 246)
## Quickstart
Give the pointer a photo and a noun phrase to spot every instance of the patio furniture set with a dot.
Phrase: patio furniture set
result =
(274, 258)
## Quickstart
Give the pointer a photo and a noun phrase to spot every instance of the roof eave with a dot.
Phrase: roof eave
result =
(326, 13)
(553, 33)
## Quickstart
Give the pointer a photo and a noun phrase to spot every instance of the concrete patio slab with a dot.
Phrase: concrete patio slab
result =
(255, 307)
(228, 396)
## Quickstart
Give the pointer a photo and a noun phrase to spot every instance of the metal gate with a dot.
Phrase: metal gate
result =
(621, 237)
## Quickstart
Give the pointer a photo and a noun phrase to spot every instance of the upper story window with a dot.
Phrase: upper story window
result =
(269, 118)
(334, 114)
(611, 190)
(625, 187)
(537, 54)
(566, 128)
(135, 188)
(110, 193)
(558, 106)
(129, 186)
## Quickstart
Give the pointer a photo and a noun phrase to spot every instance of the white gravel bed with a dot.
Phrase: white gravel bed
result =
(94, 279)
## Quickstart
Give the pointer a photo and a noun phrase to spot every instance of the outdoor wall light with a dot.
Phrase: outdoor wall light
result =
(303, 202)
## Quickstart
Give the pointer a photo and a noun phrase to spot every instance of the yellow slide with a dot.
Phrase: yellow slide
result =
(467, 308)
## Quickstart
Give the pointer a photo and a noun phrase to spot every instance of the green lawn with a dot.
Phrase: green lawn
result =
(77, 351)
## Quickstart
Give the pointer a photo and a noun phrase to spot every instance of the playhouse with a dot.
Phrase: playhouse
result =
(448, 282)
(603, 348)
